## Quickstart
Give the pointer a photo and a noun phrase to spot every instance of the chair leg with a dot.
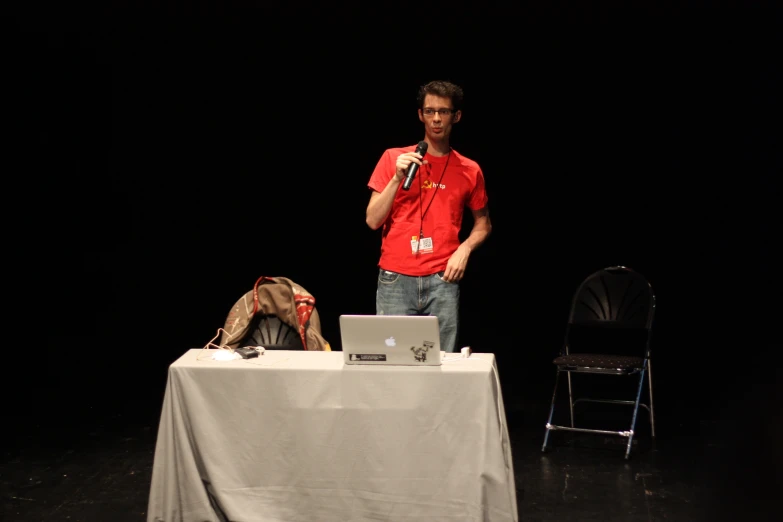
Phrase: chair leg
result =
(635, 411)
(570, 398)
(649, 382)
(551, 410)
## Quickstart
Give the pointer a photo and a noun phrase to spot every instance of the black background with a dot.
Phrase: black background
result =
(170, 153)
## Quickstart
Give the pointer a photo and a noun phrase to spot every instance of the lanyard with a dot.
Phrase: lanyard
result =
(423, 213)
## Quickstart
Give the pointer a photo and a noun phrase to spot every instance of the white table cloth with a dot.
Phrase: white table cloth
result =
(295, 436)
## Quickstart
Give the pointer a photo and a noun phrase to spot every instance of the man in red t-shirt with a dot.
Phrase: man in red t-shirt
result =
(422, 259)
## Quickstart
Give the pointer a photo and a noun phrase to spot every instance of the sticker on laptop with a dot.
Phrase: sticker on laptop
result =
(420, 352)
(367, 357)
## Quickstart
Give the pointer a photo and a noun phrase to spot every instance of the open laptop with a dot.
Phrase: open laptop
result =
(412, 340)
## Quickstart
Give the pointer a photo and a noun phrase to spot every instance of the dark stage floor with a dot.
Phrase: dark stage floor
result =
(80, 456)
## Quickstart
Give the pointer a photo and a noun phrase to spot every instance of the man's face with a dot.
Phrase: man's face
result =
(437, 125)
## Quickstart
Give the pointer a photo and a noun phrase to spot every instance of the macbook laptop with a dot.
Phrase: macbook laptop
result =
(412, 340)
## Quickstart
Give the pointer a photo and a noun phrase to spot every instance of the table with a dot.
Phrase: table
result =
(299, 436)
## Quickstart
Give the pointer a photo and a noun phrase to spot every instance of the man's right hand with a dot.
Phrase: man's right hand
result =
(404, 161)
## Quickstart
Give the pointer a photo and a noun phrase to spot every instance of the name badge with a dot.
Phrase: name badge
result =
(421, 245)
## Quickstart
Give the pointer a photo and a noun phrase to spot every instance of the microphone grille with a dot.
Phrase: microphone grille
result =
(422, 148)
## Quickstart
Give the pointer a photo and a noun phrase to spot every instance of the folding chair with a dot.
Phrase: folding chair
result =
(608, 332)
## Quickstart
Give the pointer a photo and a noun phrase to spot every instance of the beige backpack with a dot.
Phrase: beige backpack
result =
(277, 314)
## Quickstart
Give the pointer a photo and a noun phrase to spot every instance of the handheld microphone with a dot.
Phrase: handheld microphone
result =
(413, 167)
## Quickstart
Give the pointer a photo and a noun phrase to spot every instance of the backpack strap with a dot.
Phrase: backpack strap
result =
(255, 291)
(304, 309)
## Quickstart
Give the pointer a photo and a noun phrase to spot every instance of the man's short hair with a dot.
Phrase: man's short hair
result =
(444, 89)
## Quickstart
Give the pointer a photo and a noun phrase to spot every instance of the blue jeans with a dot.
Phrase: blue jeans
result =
(399, 294)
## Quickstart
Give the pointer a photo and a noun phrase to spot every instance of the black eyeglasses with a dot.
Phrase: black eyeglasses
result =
(443, 112)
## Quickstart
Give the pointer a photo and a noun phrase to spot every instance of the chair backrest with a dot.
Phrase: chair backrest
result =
(272, 333)
(612, 309)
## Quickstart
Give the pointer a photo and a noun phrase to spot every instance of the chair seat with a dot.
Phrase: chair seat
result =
(591, 360)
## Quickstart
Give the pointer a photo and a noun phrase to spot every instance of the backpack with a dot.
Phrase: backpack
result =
(276, 306)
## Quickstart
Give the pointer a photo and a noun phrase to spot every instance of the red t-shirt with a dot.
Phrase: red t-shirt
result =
(440, 192)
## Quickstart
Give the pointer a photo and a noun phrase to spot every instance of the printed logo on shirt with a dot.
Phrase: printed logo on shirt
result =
(430, 185)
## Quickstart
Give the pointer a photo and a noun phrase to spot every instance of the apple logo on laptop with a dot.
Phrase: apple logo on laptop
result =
(391, 342)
